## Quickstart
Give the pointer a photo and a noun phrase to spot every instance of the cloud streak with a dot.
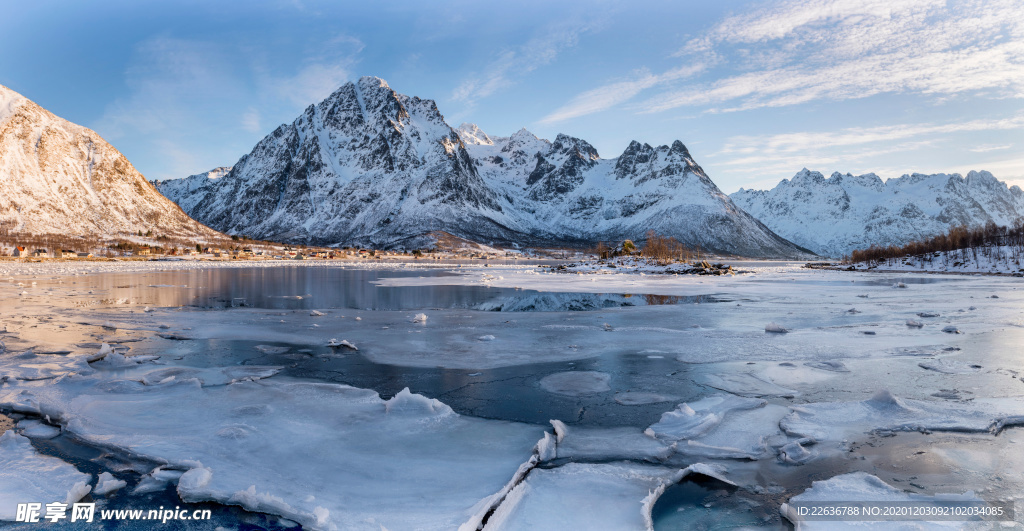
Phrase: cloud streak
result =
(612, 94)
(800, 51)
(510, 64)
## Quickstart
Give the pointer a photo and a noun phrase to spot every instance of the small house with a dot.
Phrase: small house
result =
(40, 253)
(20, 251)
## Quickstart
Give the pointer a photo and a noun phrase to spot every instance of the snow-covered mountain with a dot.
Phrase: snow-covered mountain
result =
(371, 166)
(835, 215)
(60, 178)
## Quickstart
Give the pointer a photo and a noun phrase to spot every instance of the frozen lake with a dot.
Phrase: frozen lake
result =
(536, 399)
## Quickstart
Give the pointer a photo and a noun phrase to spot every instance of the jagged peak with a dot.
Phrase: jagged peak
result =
(373, 82)
(680, 148)
(981, 177)
(523, 134)
(472, 134)
(578, 144)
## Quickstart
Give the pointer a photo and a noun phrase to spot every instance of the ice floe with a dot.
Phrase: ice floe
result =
(367, 462)
(636, 398)
(36, 429)
(837, 421)
(26, 476)
(576, 383)
(587, 496)
(107, 484)
(745, 384)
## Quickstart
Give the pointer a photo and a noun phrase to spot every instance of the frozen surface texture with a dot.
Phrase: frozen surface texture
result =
(367, 462)
(249, 406)
(29, 477)
(584, 496)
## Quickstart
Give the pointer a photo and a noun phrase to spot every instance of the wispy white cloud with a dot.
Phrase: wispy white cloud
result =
(795, 51)
(806, 141)
(510, 64)
(988, 148)
(325, 67)
(864, 149)
(612, 94)
(251, 120)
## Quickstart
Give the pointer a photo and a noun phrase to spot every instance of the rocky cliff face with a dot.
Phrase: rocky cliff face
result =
(373, 167)
(60, 178)
(835, 215)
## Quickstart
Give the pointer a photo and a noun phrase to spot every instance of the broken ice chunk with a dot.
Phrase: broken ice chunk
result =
(773, 328)
(344, 343)
(585, 496)
(914, 324)
(107, 484)
(420, 318)
(36, 429)
(28, 476)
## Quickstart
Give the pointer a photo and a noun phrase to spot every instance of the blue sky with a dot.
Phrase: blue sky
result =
(756, 89)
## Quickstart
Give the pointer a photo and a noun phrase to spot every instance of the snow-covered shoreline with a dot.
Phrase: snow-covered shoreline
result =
(994, 260)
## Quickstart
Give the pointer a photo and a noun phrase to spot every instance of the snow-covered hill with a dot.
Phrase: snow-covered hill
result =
(60, 178)
(835, 215)
(371, 166)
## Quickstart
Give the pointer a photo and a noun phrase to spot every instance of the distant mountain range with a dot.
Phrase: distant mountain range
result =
(60, 178)
(370, 166)
(835, 215)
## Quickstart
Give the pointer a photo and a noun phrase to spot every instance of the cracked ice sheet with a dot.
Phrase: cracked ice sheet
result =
(861, 486)
(26, 476)
(325, 455)
(585, 496)
(838, 421)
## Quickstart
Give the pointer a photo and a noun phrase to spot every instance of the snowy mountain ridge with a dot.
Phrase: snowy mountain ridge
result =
(57, 177)
(370, 166)
(835, 215)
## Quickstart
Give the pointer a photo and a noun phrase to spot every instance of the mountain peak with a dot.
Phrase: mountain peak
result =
(9, 102)
(472, 134)
(523, 134)
(53, 185)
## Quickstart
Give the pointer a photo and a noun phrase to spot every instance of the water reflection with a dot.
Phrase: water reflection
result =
(298, 288)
